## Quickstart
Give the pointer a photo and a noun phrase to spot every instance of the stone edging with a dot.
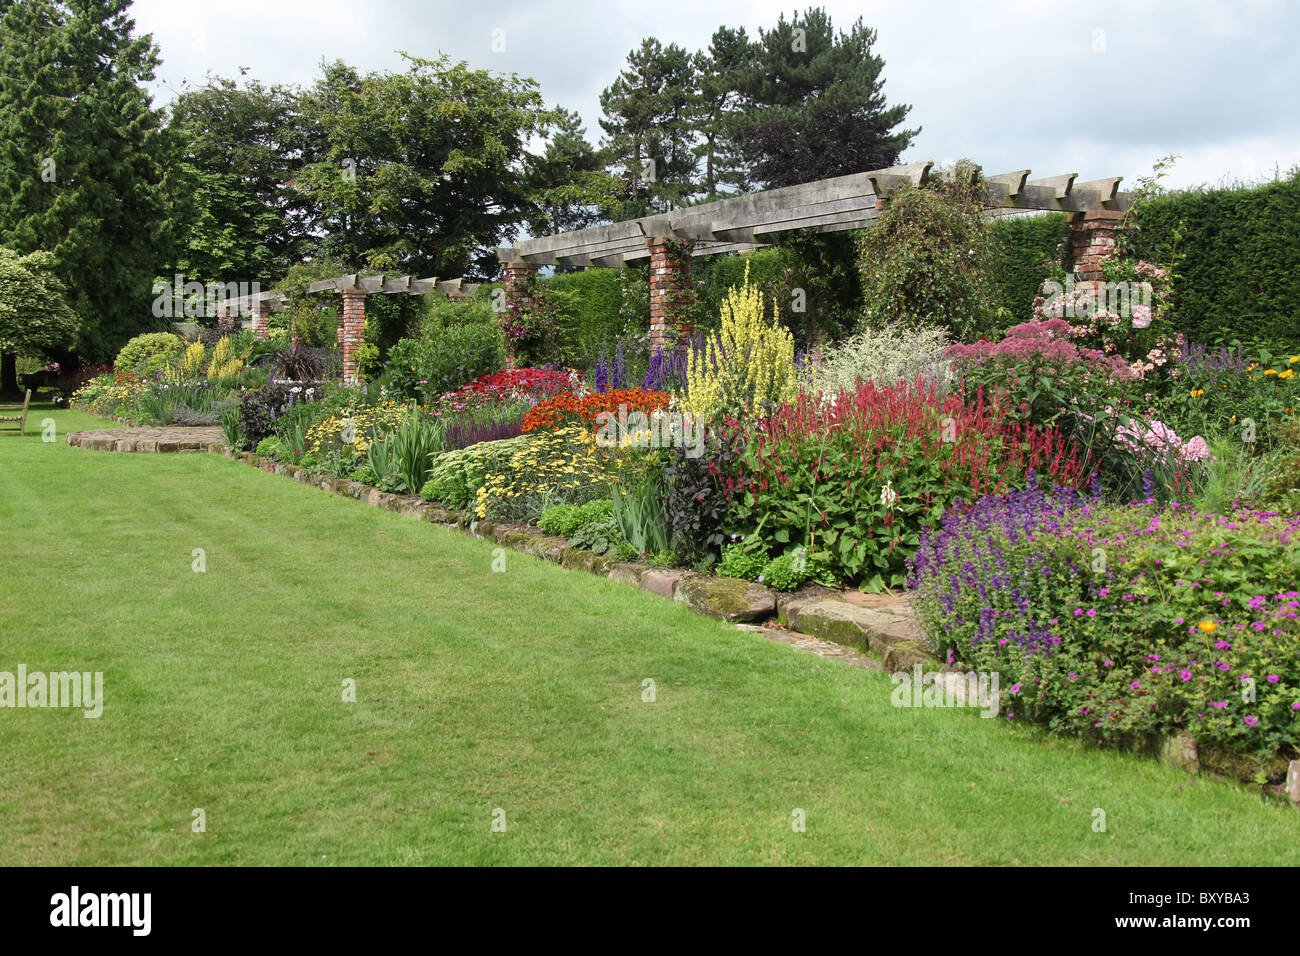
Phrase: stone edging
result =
(812, 611)
(142, 440)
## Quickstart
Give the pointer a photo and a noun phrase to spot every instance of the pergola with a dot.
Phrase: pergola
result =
(741, 223)
(737, 224)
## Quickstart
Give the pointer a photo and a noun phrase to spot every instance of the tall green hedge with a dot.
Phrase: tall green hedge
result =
(1024, 248)
(1239, 276)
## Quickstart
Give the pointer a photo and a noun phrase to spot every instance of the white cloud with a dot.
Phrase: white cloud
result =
(1013, 84)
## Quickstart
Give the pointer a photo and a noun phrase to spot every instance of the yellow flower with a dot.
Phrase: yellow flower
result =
(1209, 627)
(1287, 374)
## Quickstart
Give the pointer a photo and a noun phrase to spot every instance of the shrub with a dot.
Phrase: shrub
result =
(442, 361)
(856, 478)
(564, 520)
(884, 356)
(786, 572)
(456, 476)
(697, 492)
(1118, 622)
(298, 363)
(747, 364)
(561, 466)
(928, 259)
(1239, 268)
(592, 308)
(148, 353)
(259, 409)
(737, 562)
(1027, 250)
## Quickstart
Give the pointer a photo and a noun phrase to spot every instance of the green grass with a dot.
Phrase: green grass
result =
(479, 690)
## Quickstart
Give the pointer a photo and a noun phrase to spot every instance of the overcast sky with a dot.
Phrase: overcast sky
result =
(1098, 88)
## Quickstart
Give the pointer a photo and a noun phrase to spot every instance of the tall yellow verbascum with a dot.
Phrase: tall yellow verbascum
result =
(749, 362)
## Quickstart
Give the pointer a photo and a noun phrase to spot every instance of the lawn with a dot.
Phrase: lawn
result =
(477, 691)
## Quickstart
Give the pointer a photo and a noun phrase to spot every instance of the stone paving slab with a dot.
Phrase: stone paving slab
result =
(170, 438)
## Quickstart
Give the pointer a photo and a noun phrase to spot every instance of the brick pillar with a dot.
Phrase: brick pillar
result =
(518, 278)
(1094, 237)
(670, 276)
(352, 330)
(261, 312)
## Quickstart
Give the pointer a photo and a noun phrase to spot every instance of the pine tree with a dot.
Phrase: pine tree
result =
(648, 125)
(84, 159)
(568, 182)
(716, 111)
(812, 103)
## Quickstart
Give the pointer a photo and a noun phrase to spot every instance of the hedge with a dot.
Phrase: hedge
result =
(1025, 246)
(1239, 277)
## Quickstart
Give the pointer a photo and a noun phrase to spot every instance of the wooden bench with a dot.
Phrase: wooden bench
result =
(21, 418)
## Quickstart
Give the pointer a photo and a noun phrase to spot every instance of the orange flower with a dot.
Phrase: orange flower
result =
(1209, 627)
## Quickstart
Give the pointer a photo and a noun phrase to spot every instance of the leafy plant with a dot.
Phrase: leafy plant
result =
(639, 514)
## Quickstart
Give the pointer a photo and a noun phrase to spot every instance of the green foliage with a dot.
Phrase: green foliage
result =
(590, 306)
(1238, 275)
(231, 433)
(456, 476)
(602, 536)
(928, 260)
(1026, 248)
(34, 313)
(268, 447)
(442, 361)
(568, 187)
(87, 170)
(418, 171)
(812, 103)
(240, 147)
(639, 514)
(564, 520)
(738, 562)
(414, 443)
(786, 572)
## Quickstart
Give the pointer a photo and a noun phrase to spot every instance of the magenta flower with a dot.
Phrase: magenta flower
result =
(1135, 685)
(1251, 721)
(1185, 674)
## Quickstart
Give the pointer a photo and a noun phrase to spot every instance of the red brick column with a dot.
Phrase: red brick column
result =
(518, 277)
(670, 275)
(261, 312)
(352, 330)
(1094, 238)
